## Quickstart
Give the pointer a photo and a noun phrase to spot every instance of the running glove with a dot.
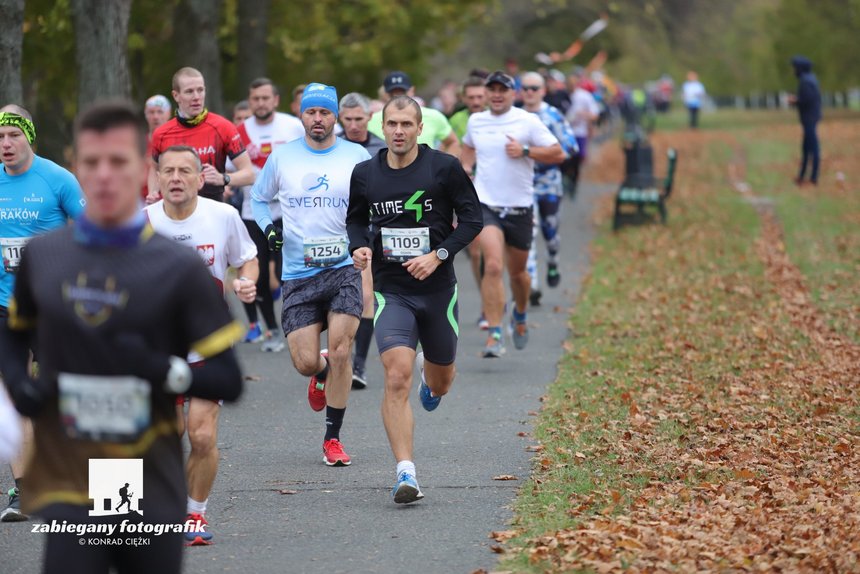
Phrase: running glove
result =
(275, 237)
(136, 358)
(171, 373)
(31, 395)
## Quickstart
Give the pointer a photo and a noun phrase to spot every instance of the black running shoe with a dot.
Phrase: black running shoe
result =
(12, 512)
(553, 277)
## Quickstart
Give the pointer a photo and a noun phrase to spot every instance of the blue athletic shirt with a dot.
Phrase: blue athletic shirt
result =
(43, 198)
(548, 177)
(313, 189)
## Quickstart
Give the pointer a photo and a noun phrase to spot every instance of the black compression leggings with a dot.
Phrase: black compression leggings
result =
(264, 292)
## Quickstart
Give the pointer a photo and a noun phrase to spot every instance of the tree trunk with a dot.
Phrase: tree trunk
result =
(101, 39)
(11, 40)
(253, 45)
(196, 36)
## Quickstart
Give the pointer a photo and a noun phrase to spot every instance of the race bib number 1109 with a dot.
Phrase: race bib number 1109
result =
(403, 244)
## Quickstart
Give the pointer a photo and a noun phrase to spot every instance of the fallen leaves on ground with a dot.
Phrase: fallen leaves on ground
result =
(736, 447)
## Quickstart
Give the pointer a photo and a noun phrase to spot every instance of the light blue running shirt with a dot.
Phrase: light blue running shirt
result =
(313, 189)
(39, 200)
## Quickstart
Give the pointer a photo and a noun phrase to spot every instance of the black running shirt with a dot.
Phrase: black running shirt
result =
(427, 193)
(77, 297)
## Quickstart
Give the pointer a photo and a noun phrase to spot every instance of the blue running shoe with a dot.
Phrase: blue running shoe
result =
(255, 334)
(406, 490)
(519, 333)
(428, 401)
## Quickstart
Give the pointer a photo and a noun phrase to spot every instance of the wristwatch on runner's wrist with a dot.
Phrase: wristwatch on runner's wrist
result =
(526, 150)
(442, 254)
(226, 179)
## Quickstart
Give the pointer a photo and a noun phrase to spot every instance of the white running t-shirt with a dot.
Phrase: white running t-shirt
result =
(583, 106)
(260, 141)
(502, 181)
(214, 230)
(10, 429)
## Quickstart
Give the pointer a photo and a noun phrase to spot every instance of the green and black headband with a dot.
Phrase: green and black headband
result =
(20, 122)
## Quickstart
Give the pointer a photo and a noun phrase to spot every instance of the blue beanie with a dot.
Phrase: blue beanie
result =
(319, 96)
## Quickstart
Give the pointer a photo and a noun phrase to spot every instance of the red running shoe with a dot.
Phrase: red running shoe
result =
(316, 390)
(333, 453)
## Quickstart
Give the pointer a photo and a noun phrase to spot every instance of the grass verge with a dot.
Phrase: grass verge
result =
(693, 425)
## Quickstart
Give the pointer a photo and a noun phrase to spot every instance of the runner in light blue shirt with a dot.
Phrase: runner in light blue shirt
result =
(312, 187)
(36, 196)
(310, 177)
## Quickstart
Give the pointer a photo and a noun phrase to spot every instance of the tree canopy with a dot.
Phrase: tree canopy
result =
(737, 46)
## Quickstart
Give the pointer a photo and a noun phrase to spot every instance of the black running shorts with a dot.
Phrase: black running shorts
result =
(311, 299)
(431, 319)
(516, 224)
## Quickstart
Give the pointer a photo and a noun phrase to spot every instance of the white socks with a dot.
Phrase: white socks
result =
(402, 466)
(195, 507)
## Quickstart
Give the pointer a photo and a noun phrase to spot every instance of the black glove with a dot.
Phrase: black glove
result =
(31, 395)
(275, 237)
(137, 358)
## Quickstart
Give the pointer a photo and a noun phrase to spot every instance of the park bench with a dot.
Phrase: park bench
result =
(640, 188)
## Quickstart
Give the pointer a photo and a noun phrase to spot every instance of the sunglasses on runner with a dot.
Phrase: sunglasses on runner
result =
(531, 88)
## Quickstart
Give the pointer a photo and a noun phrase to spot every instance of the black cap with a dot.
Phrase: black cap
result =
(397, 81)
(499, 77)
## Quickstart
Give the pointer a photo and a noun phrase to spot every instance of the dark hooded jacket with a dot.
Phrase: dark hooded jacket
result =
(808, 92)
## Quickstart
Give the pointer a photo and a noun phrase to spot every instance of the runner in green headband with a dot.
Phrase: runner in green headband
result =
(25, 125)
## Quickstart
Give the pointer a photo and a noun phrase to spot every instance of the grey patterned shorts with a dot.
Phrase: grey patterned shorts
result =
(311, 299)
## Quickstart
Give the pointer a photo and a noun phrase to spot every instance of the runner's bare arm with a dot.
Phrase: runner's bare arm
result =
(244, 174)
(451, 144)
(153, 194)
(467, 158)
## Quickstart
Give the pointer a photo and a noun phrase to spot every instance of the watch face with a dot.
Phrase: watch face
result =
(442, 254)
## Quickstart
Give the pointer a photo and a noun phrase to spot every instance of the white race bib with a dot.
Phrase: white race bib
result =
(113, 409)
(325, 251)
(403, 244)
(12, 249)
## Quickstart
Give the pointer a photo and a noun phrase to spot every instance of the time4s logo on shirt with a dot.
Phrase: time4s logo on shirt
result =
(397, 207)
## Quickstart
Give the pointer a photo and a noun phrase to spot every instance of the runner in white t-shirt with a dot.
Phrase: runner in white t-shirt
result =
(310, 177)
(262, 133)
(584, 111)
(506, 141)
(215, 230)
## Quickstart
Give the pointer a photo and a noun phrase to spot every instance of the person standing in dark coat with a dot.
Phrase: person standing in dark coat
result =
(808, 103)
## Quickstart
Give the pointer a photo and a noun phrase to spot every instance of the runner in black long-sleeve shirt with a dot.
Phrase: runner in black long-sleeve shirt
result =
(409, 194)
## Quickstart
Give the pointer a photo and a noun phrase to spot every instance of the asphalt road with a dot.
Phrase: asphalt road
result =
(344, 519)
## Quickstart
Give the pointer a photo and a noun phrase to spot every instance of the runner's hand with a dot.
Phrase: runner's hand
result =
(137, 358)
(361, 257)
(152, 197)
(31, 395)
(513, 149)
(275, 237)
(423, 266)
(212, 176)
(245, 289)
